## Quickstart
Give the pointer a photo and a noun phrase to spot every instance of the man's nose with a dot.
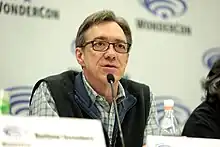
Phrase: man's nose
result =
(110, 53)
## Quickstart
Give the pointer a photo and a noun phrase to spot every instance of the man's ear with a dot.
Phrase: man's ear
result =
(127, 59)
(79, 56)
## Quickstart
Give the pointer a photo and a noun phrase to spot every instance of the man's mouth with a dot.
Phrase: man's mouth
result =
(110, 66)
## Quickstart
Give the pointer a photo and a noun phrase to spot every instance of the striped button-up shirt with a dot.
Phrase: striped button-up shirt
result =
(106, 109)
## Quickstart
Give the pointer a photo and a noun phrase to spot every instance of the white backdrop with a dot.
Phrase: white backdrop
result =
(171, 64)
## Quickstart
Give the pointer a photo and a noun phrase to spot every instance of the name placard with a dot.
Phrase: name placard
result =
(168, 141)
(50, 131)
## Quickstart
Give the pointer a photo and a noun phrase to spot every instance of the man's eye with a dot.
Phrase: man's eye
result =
(121, 46)
(100, 43)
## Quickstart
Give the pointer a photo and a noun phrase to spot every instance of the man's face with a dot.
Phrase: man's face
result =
(97, 64)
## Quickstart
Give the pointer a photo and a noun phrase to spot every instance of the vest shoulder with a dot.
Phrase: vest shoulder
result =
(139, 90)
(135, 84)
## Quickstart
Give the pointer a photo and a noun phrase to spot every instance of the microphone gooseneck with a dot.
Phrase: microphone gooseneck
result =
(111, 80)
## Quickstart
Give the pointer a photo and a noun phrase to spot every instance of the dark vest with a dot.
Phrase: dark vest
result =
(72, 100)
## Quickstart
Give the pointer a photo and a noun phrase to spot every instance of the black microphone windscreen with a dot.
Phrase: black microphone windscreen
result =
(110, 78)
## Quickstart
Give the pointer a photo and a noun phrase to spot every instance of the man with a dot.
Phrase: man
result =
(102, 44)
(204, 121)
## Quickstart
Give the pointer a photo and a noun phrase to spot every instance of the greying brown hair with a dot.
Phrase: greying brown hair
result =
(97, 18)
(211, 84)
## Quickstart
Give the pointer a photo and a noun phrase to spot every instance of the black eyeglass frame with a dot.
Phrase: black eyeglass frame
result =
(93, 42)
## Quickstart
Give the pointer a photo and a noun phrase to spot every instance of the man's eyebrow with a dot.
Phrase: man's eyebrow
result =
(120, 40)
(101, 38)
(105, 38)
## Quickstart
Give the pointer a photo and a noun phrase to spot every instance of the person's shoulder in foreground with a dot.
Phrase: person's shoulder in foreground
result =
(204, 121)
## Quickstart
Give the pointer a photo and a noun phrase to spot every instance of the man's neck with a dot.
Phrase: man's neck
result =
(102, 88)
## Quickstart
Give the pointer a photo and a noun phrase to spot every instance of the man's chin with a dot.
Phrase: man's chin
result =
(104, 77)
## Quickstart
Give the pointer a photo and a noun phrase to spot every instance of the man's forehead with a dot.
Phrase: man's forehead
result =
(106, 31)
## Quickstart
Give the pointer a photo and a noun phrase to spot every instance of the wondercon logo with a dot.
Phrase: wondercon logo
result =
(181, 111)
(12, 131)
(15, 131)
(211, 56)
(25, 8)
(19, 99)
(165, 8)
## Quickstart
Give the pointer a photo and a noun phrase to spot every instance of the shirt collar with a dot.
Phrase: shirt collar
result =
(93, 94)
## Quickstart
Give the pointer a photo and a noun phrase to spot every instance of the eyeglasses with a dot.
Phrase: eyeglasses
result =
(102, 46)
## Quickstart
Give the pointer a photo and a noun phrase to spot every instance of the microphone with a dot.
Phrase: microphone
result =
(111, 80)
